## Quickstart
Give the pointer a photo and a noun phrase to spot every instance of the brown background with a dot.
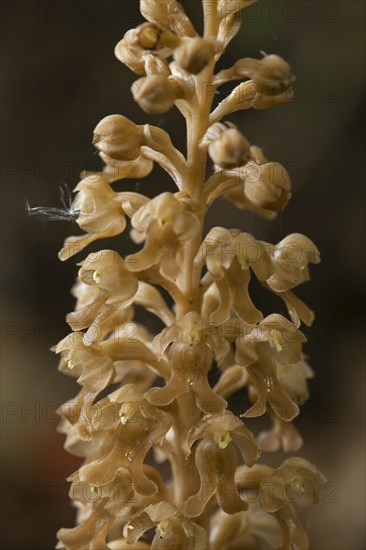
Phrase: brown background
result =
(60, 78)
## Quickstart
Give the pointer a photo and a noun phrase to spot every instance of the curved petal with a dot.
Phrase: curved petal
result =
(74, 245)
(166, 395)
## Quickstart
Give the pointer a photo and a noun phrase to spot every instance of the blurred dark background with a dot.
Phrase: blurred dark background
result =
(59, 78)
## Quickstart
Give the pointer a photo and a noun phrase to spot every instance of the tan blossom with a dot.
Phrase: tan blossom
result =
(157, 94)
(117, 287)
(195, 53)
(228, 256)
(167, 223)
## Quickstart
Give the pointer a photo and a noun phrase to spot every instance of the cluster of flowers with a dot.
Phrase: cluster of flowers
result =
(218, 498)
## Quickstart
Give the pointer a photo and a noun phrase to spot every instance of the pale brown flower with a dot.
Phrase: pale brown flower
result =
(100, 214)
(190, 363)
(230, 148)
(173, 530)
(296, 481)
(167, 222)
(224, 428)
(93, 367)
(92, 533)
(266, 187)
(157, 94)
(132, 50)
(248, 530)
(216, 465)
(291, 258)
(151, 36)
(274, 340)
(293, 378)
(90, 303)
(271, 73)
(131, 426)
(116, 286)
(117, 137)
(192, 329)
(195, 53)
(283, 434)
(228, 255)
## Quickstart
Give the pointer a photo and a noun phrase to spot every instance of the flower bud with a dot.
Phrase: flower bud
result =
(194, 54)
(118, 138)
(156, 93)
(271, 77)
(273, 73)
(267, 186)
(230, 150)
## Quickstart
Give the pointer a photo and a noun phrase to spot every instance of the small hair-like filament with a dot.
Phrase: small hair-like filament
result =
(51, 213)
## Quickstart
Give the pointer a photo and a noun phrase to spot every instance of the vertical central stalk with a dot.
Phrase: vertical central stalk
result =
(188, 414)
(197, 126)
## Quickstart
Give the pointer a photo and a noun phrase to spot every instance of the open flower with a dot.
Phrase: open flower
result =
(151, 36)
(296, 481)
(193, 346)
(117, 287)
(293, 378)
(248, 530)
(95, 364)
(131, 53)
(228, 254)
(283, 434)
(92, 533)
(189, 364)
(225, 428)
(216, 459)
(90, 309)
(93, 367)
(168, 223)
(275, 335)
(100, 214)
(173, 530)
(274, 340)
(216, 464)
(290, 259)
(133, 426)
(145, 47)
(192, 329)
(123, 501)
(75, 423)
